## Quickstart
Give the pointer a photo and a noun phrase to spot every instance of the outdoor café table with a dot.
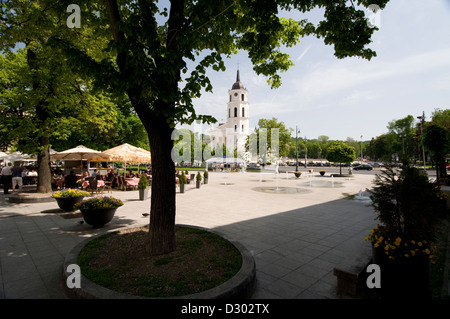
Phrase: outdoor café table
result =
(100, 183)
(132, 181)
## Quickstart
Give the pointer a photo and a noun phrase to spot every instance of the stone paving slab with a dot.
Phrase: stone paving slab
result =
(296, 238)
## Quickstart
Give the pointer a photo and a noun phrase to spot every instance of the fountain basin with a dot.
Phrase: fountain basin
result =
(281, 190)
(322, 183)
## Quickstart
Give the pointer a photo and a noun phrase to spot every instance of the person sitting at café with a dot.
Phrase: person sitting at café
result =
(110, 175)
(95, 174)
(32, 173)
(71, 180)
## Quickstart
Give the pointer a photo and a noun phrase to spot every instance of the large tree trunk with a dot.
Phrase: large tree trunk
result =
(162, 210)
(44, 184)
(157, 122)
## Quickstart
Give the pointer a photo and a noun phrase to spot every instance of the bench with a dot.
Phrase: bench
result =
(351, 272)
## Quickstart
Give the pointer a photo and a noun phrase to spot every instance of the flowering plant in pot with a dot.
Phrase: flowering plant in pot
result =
(68, 197)
(69, 192)
(407, 206)
(98, 211)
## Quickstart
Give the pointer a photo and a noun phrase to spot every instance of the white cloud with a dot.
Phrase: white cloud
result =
(342, 75)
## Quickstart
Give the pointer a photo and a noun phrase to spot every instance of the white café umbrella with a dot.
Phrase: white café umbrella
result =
(79, 153)
(128, 153)
(13, 157)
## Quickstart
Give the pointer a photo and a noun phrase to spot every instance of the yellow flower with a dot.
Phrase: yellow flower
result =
(413, 252)
(406, 255)
(413, 242)
(376, 245)
(398, 241)
(427, 251)
(420, 244)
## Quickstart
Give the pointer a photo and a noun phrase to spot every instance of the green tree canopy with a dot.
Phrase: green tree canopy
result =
(403, 132)
(340, 152)
(441, 118)
(43, 101)
(268, 131)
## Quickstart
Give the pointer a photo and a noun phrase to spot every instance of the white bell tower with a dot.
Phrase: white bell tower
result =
(237, 115)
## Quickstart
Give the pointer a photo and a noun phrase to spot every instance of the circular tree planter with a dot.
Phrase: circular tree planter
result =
(98, 217)
(67, 203)
(241, 285)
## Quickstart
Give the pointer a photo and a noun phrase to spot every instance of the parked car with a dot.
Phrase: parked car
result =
(363, 166)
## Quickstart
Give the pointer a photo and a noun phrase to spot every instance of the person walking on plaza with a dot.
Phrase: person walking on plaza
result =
(17, 176)
(7, 178)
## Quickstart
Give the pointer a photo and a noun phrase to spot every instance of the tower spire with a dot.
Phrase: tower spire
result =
(238, 84)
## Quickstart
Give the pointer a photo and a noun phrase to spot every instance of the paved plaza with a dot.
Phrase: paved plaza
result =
(298, 230)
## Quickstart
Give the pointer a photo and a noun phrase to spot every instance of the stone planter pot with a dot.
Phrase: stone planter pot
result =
(98, 217)
(143, 194)
(198, 183)
(297, 174)
(67, 203)
(206, 180)
(182, 188)
(405, 278)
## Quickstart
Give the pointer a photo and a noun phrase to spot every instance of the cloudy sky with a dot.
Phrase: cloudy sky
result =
(323, 95)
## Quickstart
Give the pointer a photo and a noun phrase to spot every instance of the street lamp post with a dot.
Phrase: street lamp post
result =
(362, 158)
(296, 148)
(306, 154)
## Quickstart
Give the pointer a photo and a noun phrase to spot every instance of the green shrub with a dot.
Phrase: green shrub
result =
(143, 182)
(183, 179)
